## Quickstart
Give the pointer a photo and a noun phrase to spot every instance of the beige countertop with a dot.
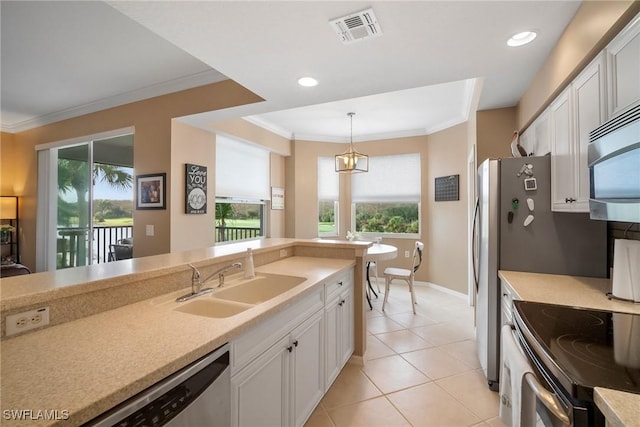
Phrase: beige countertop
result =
(86, 366)
(620, 408)
(587, 292)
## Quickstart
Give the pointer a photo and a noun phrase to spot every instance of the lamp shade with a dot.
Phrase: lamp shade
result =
(8, 207)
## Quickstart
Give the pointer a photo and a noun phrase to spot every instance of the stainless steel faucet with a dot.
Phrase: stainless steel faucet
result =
(196, 283)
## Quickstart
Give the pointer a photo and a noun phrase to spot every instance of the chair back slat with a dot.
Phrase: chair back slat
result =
(417, 256)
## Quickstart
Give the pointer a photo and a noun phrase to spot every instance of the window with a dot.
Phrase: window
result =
(328, 195)
(242, 189)
(386, 200)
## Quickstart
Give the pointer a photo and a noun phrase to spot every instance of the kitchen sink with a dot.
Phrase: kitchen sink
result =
(259, 289)
(209, 307)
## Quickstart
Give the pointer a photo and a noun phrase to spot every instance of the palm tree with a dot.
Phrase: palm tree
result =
(73, 178)
(224, 211)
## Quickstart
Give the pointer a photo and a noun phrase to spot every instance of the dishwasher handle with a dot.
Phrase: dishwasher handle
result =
(548, 399)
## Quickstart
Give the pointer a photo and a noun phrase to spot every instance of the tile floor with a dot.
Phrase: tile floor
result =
(422, 369)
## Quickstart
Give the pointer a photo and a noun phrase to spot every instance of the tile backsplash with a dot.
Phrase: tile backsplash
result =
(620, 230)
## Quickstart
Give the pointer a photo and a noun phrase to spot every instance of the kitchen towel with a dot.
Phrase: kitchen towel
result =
(626, 269)
(513, 367)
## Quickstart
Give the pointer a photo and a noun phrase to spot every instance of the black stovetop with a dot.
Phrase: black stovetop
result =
(585, 348)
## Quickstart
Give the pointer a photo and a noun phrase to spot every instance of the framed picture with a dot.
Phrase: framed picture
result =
(277, 198)
(195, 189)
(151, 191)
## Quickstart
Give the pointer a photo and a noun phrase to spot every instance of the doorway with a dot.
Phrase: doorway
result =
(86, 206)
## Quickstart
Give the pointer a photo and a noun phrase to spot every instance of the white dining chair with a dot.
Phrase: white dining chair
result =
(392, 273)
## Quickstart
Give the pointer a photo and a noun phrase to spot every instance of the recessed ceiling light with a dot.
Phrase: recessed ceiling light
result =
(521, 38)
(307, 82)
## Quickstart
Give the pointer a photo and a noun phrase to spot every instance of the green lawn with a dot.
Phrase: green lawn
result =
(326, 227)
(114, 222)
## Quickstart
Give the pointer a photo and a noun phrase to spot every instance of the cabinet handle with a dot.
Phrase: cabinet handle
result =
(569, 200)
(295, 343)
(341, 303)
(290, 348)
(339, 283)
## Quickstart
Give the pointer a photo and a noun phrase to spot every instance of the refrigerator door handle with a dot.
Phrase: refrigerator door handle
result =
(474, 234)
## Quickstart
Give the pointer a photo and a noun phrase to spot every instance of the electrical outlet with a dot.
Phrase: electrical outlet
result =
(283, 253)
(27, 320)
(406, 254)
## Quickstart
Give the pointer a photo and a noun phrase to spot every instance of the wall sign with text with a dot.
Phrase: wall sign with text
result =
(196, 189)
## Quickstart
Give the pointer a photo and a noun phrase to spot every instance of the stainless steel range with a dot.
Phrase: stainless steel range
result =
(572, 350)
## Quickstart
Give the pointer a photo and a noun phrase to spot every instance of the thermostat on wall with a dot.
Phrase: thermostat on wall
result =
(530, 184)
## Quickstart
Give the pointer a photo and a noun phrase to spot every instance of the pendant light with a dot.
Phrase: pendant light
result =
(351, 161)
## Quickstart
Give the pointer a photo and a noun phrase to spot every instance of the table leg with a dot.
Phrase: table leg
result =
(369, 280)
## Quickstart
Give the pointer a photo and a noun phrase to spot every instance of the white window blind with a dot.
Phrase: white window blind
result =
(328, 179)
(242, 170)
(390, 179)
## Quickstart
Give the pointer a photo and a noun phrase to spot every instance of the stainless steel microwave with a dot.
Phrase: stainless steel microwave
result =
(614, 168)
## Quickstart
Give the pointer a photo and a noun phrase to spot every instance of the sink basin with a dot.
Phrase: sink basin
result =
(259, 289)
(214, 308)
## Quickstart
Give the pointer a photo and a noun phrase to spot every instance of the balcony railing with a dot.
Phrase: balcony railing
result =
(72, 250)
(227, 234)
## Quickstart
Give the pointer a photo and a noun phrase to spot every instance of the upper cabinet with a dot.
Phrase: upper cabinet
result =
(623, 69)
(536, 140)
(576, 112)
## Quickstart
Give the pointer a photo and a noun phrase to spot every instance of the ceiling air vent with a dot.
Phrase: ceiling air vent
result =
(357, 26)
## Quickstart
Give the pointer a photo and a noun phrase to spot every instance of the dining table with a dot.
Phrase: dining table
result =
(376, 253)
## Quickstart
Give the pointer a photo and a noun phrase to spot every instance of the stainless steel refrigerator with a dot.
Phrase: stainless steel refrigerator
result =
(516, 230)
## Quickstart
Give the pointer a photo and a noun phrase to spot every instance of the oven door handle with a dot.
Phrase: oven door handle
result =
(548, 399)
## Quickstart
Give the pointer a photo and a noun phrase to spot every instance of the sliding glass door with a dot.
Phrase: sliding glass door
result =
(74, 212)
(85, 201)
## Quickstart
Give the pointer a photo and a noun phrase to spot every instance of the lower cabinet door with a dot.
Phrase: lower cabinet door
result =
(332, 342)
(346, 326)
(307, 368)
(260, 391)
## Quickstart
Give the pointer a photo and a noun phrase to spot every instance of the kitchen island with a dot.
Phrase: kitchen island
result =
(90, 362)
(620, 408)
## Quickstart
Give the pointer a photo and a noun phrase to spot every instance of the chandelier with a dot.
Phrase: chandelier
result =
(351, 161)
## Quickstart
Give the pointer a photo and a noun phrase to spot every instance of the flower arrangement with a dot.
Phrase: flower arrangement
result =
(7, 228)
(352, 236)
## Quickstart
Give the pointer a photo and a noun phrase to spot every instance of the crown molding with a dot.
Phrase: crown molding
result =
(164, 88)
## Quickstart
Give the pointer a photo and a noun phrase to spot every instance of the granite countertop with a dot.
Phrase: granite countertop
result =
(84, 367)
(620, 408)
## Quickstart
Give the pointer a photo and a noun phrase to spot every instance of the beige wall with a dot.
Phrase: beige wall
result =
(191, 231)
(247, 131)
(593, 26)
(276, 218)
(444, 224)
(494, 131)
(151, 119)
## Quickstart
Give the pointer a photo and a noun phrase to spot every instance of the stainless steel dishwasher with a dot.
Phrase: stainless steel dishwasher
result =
(197, 395)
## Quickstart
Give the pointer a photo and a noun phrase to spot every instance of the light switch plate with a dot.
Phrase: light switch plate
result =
(150, 230)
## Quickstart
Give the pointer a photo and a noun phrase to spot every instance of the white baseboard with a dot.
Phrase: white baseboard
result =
(442, 289)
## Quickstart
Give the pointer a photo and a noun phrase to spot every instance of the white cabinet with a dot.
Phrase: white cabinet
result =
(307, 368)
(572, 115)
(623, 69)
(536, 139)
(283, 385)
(278, 367)
(338, 327)
(260, 392)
